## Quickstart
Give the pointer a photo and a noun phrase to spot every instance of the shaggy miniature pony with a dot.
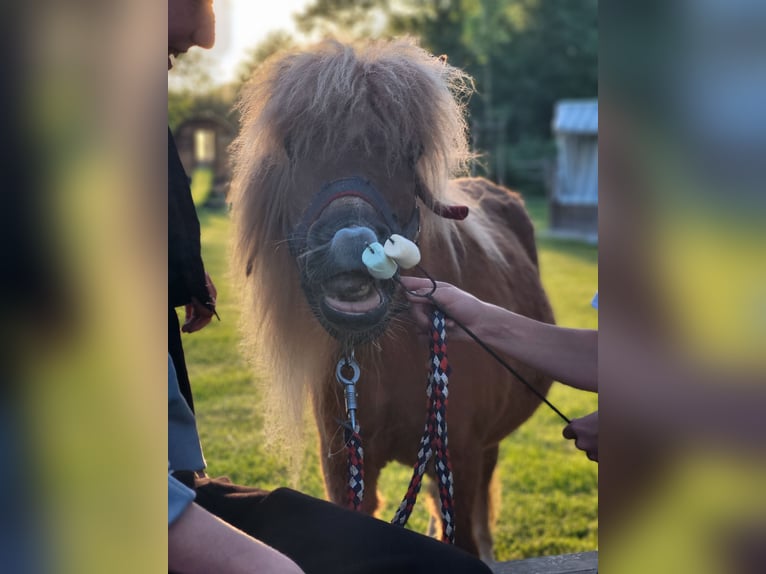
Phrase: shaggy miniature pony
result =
(342, 146)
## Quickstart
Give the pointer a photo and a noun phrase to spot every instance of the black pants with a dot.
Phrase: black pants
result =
(324, 538)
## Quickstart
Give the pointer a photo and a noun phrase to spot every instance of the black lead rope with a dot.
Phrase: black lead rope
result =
(482, 344)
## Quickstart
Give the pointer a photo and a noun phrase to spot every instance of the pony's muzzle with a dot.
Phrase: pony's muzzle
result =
(350, 293)
(348, 244)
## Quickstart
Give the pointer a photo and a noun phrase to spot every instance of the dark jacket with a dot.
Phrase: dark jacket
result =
(186, 274)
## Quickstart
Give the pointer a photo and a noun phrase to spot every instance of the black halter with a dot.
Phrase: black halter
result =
(351, 187)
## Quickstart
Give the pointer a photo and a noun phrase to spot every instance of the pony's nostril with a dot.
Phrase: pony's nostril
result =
(348, 244)
(358, 236)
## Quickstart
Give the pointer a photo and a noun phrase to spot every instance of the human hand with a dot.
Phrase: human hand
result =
(198, 315)
(456, 303)
(585, 432)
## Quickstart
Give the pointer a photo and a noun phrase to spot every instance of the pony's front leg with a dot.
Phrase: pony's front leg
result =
(485, 509)
(466, 464)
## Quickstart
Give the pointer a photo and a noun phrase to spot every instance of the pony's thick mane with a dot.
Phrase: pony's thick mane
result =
(389, 100)
(389, 97)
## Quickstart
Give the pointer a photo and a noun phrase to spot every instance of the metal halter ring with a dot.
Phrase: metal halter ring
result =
(347, 362)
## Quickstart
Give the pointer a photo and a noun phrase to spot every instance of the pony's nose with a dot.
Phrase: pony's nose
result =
(348, 244)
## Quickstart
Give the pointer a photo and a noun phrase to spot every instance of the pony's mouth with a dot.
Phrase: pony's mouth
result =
(352, 294)
(352, 306)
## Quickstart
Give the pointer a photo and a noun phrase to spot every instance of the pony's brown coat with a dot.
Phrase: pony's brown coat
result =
(391, 112)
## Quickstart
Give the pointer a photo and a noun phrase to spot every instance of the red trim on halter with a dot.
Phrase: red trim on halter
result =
(457, 212)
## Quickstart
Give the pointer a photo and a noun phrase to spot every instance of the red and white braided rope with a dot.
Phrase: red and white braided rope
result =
(355, 469)
(434, 440)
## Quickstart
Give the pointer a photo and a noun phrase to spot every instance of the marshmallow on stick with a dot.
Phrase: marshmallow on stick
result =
(403, 251)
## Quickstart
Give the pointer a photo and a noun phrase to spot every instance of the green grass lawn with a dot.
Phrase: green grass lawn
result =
(549, 489)
(201, 185)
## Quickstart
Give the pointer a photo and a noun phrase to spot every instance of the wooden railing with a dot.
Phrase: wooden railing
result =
(580, 563)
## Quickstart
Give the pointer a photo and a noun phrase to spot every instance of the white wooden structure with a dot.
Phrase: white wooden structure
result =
(574, 193)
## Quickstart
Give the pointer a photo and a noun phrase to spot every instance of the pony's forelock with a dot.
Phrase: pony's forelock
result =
(389, 97)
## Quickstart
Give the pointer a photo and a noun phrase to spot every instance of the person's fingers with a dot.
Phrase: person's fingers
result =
(191, 321)
(188, 316)
(414, 283)
(590, 451)
(416, 287)
(197, 317)
(569, 432)
(417, 295)
(196, 324)
(212, 291)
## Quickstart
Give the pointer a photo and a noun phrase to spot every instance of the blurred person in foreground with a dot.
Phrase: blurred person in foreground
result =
(190, 23)
(216, 526)
(567, 355)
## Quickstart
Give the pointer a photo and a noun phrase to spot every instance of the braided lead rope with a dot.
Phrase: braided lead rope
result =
(355, 469)
(434, 440)
(440, 371)
(355, 490)
(410, 498)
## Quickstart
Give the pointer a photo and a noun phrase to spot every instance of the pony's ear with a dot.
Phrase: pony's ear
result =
(443, 58)
(457, 212)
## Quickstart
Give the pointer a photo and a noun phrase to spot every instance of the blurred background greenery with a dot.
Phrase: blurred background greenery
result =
(524, 56)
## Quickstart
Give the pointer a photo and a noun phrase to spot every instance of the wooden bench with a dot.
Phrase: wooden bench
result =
(580, 563)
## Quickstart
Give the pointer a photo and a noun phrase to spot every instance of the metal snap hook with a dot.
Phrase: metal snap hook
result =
(355, 371)
(349, 386)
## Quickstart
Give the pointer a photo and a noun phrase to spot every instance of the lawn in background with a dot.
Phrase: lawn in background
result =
(201, 185)
(549, 489)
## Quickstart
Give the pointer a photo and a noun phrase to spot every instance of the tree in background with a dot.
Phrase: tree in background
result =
(274, 42)
(193, 91)
(523, 54)
(346, 18)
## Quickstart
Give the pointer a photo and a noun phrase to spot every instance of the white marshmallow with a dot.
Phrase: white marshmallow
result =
(403, 251)
(378, 263)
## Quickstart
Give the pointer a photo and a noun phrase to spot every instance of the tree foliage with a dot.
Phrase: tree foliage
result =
(523, 54)
(359, 18)
(192, 91)
(274, 42)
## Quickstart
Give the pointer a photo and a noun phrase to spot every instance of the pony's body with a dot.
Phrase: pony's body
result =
(383, 118)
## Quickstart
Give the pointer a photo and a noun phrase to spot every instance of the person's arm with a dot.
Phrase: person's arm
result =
(200, 542)
(567, 355)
